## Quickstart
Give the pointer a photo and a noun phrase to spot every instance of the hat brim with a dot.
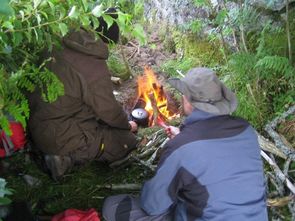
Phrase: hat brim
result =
(227, 105)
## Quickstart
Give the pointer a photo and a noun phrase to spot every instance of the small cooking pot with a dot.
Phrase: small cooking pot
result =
(140, 116)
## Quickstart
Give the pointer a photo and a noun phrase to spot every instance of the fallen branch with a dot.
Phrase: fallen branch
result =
(136, 46)
(270, 128)
(153, 157)
(146, 153)
(154, 140)
(127, 186)
(282, 201)
(164, 143)
(155, 41)
(291, 206)
(277, 183)
(278, 172)
(180, 73)
(125, 160)
(157, 141)
(268, 146)
(142, 162)
(132, 55)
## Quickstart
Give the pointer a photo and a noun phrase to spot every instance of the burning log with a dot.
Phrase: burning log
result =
(156, 112)
(152, 97)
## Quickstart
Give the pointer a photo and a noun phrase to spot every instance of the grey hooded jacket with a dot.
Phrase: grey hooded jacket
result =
(211, 170)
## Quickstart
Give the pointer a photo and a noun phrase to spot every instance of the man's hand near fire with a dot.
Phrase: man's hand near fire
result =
(171, 131)
(133, 126)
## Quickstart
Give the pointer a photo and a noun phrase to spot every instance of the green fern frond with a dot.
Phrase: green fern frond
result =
(271, 41)
(247, 15)
(242, 64)
(19, 111)
(14, 102)
(276, 64)
(4, 123)
(53, 86)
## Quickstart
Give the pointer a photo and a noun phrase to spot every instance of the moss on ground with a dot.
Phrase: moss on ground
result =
(79, 189)
(117, 66)
(191, 52)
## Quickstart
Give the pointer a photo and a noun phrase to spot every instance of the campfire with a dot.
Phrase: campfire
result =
(152, 106)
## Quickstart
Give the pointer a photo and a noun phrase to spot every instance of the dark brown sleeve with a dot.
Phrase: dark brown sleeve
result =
(105, 105)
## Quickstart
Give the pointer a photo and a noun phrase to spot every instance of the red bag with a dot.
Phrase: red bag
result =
(77, 215)
(15, 142)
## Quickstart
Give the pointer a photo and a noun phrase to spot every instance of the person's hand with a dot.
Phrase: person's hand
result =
(133, 126)
(171, 131)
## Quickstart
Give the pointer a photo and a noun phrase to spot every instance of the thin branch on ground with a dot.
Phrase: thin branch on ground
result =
(268, 146)
(270, 129)
(125, 186)
(278, 172)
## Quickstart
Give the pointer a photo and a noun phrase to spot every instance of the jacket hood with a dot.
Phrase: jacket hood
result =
(86, 43)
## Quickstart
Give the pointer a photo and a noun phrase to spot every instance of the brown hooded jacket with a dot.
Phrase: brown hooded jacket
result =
(87, 118)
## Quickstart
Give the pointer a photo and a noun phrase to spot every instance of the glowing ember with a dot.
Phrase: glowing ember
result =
(154, 96)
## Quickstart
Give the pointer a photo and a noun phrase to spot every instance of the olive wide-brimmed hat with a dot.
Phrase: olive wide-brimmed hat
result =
(205, 91)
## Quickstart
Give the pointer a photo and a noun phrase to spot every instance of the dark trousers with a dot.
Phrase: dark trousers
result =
(127, 208)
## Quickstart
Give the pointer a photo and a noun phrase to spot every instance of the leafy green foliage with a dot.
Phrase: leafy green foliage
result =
(202, 3)
(139, 32)
(133, 11)
(4, 191)
(252, 102)
(245, 15)
(259, 72)
(26, 80)
(195, 26)
(29, 27)
(117, 67)
(183, 66)
(264, 80)
(276, 64)
(5, 8)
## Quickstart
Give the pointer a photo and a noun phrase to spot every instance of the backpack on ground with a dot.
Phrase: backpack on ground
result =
(15, 142)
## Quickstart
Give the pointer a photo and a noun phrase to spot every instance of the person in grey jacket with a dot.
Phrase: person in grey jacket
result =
(211, 168)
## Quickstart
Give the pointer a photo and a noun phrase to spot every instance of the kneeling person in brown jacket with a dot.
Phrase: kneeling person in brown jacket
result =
(87, 122)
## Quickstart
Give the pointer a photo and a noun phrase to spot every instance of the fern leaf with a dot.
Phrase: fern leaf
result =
(276, 64)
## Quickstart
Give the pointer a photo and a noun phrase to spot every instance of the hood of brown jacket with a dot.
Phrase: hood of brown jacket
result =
(86, 43)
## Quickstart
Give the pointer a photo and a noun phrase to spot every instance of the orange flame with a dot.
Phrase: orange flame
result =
(148, 86)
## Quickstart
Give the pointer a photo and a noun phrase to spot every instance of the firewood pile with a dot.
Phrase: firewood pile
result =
(148, 151)
(280, 178)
